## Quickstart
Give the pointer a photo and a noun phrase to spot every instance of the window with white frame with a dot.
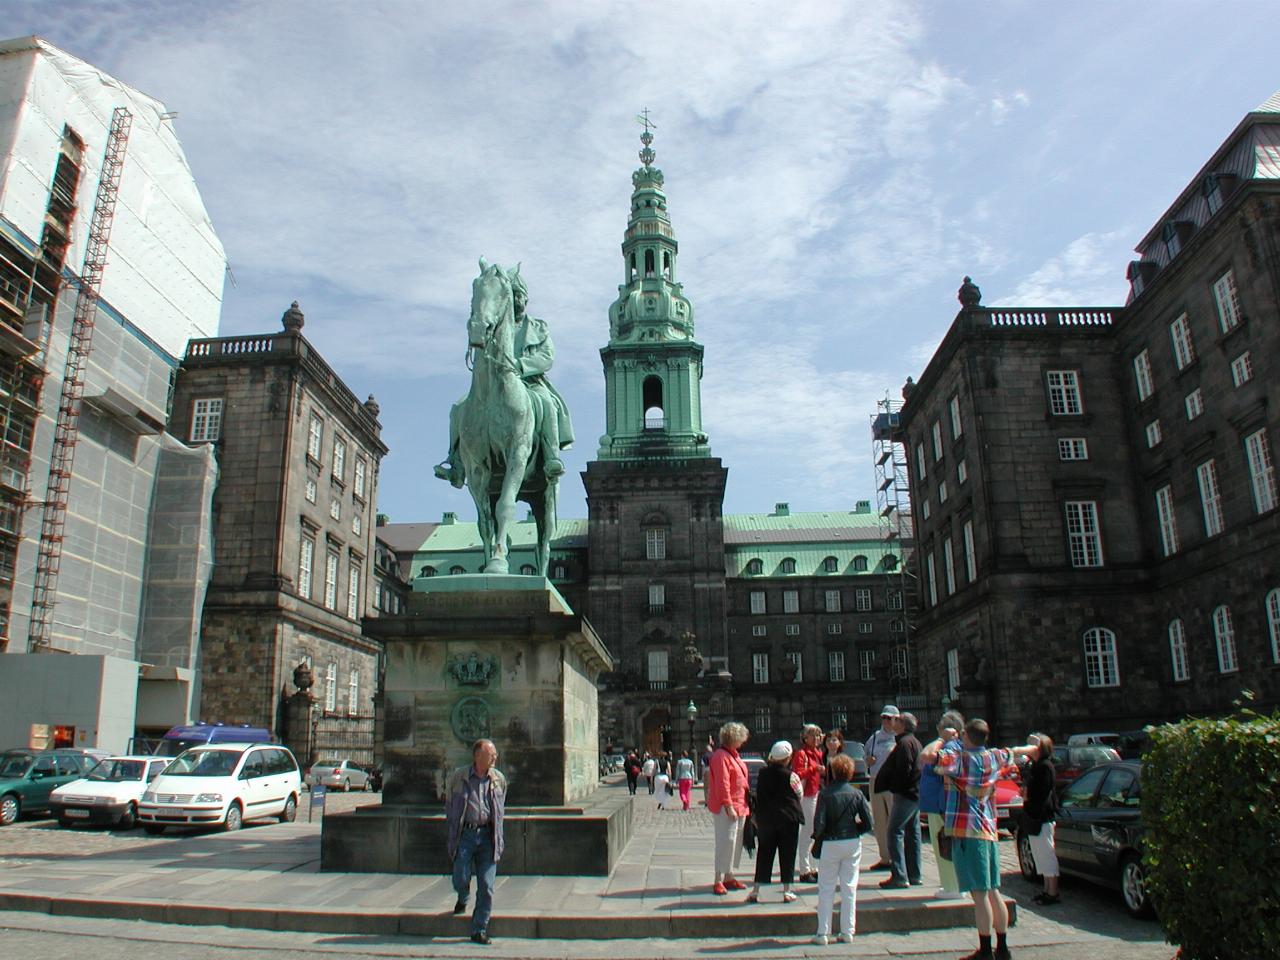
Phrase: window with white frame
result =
(942, 491)
(1154, 436)
(835, 666)
(335, 509)
(894, 600)
(1273, 622)
(1083, 535)
(948, 566)
(899, 663)
(862, 599)
(658, 666)
(953, 673)
(353, 589)
(206, 420)
(306, 565)
(792, 629)
(1194, 403)
(962, 472)
(764, 720)
(331, 581)
(657, 597)
(925, 509)
(1262, 472)
(1224, 636)
(1184, 350)
(759, 668)
(1227, 301)
(866, 664)
(1142, 374)
(1168, 522)
(897, 625)
(315, 437)
(790, 601)
(921, 473)
(839, 718)
(1178, 651)
(1064, 393)
(311, 491)
(1210, 498)
(1101, 668)
(1073, 448)
(865, 626)
(793, 656)
(933, 579)
(339, 458)
(655, 543)
(937, 440)
(835, 628)
(357, 525)
(957, 426)
(831, 601)
(362, 467)
(759, 630)
(970, 554)
(757, 601)
(331, 687)
(559, 572)
(1242, 369)
(353, 693)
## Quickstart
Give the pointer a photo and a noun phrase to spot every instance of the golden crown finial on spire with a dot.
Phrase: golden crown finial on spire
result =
(647, 155)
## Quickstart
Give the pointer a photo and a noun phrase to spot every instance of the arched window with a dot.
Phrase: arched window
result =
(648, 263)
(860, 564)
(1100, 666)
(527, 570)
(755, 568)
(632, 274)
(788, 565)
(455, 570)
(666, 264)
(1225, 635)
(427, 572)
(1178, 651)
(1273, 623)
(655, 417)
(831, 565)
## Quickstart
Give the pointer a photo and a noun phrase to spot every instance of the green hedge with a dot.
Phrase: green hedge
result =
(1211, 804)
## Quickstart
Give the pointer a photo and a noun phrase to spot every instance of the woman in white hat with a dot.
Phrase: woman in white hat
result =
(778, 816)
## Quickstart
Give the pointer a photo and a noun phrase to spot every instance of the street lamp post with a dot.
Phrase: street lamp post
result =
(691, 713)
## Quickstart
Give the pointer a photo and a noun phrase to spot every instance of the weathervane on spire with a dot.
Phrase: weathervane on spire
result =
(646, 155)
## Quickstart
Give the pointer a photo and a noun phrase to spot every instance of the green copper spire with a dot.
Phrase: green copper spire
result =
(652, 365)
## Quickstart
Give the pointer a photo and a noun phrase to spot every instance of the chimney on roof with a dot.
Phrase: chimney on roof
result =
(449, 517)
(382, 520)
(862, 506)
(782, 509)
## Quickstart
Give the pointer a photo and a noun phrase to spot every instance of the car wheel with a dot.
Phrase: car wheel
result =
(1133, 887)
(1026, 859)
(290, 811)
(129, 819)
(346, 786)
(154, 829)
(235, 818)
(10, 809)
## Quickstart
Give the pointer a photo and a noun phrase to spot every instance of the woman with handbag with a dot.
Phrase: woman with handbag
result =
(778, 816)
(933, 803)
(841, 819)
(1039, 813)
(728, 801)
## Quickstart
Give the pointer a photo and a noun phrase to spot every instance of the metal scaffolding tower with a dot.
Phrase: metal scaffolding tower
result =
(893, 503)
(67, 428)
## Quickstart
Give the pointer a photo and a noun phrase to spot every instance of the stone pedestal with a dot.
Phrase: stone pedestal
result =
(502, 657)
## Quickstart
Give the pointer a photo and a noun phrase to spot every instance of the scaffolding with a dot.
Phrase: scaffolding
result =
(67, 428)
(893, 504)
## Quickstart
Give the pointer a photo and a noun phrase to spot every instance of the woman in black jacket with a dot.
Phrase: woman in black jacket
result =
(842, 817)
(1039, 811)
(778, 816)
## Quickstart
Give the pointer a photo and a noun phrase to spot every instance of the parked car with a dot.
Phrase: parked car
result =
(861, 778)
(223, 786)
(1099, 833)
(186, 736)
(109, 794)
(28, 777)
(1070, 762)
(338, 774)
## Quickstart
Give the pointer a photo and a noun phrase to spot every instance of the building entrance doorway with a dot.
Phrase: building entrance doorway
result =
(652, 726)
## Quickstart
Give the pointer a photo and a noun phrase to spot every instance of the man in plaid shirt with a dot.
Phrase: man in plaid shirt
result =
(971, 772)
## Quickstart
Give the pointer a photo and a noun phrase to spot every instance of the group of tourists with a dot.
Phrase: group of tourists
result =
(662, 777)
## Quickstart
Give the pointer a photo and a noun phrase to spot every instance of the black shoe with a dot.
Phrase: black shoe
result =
(481, 937)
(1047, 899)
(880, 866)
(979, 954)
(460, 907)
(893, 883)
(1000, 953)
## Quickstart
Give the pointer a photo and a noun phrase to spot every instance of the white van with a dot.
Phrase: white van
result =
(223, 785)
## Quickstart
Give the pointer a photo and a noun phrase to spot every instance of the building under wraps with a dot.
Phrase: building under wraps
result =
(108, 267)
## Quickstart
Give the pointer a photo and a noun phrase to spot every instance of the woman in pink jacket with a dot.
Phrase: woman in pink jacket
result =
(727, 787)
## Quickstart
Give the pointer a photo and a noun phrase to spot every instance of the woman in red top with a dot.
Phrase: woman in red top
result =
(727, 786)
(807, 764)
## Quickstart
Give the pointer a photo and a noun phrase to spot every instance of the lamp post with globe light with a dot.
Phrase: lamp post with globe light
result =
(691, 714)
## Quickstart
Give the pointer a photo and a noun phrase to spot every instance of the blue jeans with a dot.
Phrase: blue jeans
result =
(904, 820)
(475, 857)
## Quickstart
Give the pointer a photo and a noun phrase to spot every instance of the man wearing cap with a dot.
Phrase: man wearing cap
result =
(879, 745)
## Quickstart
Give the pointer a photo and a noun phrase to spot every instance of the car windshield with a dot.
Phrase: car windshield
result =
(204, 763)
(12, 767)
(118, 771)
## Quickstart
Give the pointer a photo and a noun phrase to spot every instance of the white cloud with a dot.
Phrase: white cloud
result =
(1088, 272)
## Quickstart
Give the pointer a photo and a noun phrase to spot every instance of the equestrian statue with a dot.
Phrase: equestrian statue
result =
(506, 434)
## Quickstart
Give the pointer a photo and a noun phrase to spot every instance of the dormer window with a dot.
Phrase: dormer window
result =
(1211, 188)
(1139, 274)
(788, 565)
(755, 568)
(859, 564)
(831, 565)
(1174, 233)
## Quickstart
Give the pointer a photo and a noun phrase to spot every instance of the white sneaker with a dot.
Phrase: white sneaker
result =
(845, 938)
(944, 894)
(820, 939)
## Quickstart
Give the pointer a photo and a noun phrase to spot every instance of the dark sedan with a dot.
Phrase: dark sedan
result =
(1099, 833)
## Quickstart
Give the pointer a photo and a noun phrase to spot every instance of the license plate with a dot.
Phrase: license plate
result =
(75, 813)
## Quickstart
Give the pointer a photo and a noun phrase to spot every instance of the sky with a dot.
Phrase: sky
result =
(833, 170)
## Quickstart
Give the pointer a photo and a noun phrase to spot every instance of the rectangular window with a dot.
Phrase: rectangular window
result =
(339, 458)
(792, 630)
(920, 466)
(942, 492)
(1073, 448)
(658, 667)
(970, 555)
(897, 626)
(655, 543)
(866, 664)
(831, 600)
(362, 467)
(793, 656)
(839, 718)
(311, 490)
(657, 597)
(1082, 533)
(335, 509)
(315, 437)
(1242, 369)
(759, 668)
(948, 566)
(353, 693)
(306, 563)
(356, 524)
(962, 472)
(1194, 403)
(899, 663)
(933, 580)
(1168, 525)
(206, 420)
(757, 601)
(764, 720)
(1228, 303)
(895, 600)
(835, 628)
(331, 581)
(353, 590)
(759, 630)
(953, 673)
(790, 601)
(957, 427)
(1142, 374)
(1178, 651)
(1262, 473)
(1184, 351)
(331, 688)
(862, 600)
(937, 441)
(1210, 498)
(1064, 393)
(865, 626)
(1154, 436)
(835, 666)
(926, 509)
(1101, 667)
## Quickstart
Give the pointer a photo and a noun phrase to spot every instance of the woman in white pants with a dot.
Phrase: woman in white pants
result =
(807, 764)
(1040, 807)
(727, 786)
(842, 817)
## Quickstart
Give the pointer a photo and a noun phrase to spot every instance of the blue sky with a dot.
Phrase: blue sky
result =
(833, 171)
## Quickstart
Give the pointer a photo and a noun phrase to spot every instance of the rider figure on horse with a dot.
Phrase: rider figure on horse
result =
(535, 354)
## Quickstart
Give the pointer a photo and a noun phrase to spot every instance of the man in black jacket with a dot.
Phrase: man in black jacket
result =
(900, 775)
